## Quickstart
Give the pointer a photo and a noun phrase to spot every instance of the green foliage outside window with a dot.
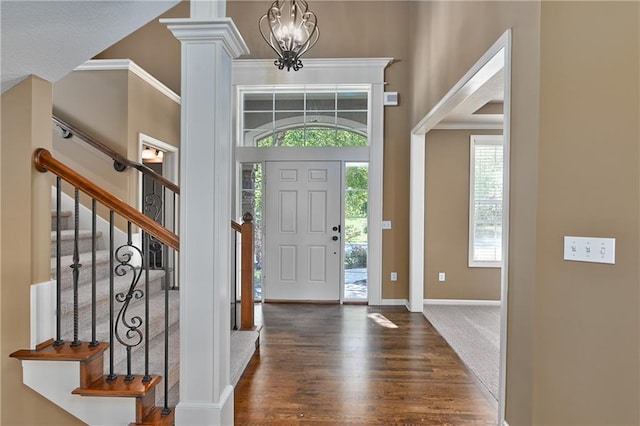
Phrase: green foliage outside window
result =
(310, 137)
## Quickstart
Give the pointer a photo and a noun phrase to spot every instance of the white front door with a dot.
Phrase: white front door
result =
(302, 231)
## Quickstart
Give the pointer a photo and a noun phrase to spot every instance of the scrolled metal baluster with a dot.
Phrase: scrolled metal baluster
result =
(153, 208)
(128, 329)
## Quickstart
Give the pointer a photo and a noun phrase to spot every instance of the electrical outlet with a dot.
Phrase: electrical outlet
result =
(442, 276)
(394, 276)
(386, 224)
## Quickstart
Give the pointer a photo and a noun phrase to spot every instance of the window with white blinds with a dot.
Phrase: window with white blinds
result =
(485, 201)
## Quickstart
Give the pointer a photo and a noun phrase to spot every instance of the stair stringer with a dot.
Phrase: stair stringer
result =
(55, 380)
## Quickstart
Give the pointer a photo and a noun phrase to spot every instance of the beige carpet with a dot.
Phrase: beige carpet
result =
(474, 333)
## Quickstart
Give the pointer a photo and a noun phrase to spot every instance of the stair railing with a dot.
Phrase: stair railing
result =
(129, 310)
(245, 230)
(159, 194)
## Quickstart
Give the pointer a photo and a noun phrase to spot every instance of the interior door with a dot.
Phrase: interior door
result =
(302, 231)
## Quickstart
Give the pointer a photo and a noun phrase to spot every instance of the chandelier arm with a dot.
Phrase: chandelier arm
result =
(289, 39)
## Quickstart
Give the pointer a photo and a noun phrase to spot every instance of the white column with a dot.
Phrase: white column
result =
(208, 49)
(416, 223)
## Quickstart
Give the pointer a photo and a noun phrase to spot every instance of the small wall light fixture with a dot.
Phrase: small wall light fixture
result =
(291, 29)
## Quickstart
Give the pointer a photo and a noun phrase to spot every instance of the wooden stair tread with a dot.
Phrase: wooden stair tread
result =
(64, 352)
(118, 387)
(155, 417)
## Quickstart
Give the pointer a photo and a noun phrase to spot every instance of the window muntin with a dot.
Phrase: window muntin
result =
(485, 201)
(306, 118)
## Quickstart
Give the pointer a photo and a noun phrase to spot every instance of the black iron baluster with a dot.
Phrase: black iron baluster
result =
(166, 410)
(94, 340)
(145, 248)
(111, 375)
(131, 335)
(76, 266)
(58, 341)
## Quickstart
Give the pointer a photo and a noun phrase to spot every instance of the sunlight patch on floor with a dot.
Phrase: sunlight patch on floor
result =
(382, 320)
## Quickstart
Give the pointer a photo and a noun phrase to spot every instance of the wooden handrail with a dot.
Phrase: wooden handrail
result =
(45, 162)
(246, 268)
(121, 162)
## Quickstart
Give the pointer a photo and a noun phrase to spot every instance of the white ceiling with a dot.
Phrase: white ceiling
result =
(50, 38)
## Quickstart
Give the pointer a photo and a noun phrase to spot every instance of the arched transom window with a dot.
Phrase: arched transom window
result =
(318, 118)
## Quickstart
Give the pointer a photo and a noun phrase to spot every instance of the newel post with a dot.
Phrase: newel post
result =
(247, 321)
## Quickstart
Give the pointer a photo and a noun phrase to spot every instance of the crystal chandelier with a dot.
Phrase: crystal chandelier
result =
(291, 29)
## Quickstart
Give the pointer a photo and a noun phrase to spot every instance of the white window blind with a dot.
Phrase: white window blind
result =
(485, 201)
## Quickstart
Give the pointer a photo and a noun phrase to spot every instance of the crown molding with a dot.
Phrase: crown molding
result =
(314, 71)
(129, 65)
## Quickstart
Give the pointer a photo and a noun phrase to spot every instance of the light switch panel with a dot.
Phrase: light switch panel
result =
(590, 249)
(386, 224)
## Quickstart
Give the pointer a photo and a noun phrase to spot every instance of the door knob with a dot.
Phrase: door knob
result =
(334, 238)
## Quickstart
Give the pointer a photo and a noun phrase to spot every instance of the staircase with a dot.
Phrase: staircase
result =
(90, 370)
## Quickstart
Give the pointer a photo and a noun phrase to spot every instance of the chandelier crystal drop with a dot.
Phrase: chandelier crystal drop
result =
(291, 29)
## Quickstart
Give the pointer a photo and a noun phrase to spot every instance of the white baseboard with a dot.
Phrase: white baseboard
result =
(504, 423)
(394, 302)
(462, 302)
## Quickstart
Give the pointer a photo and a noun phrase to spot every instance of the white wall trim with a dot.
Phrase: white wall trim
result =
(468, 126)
(417, 159)
(504, 423)
(394, 302)
(497, 57)
(482, 71)
(462, 302)
(252, 74)
(347, 71)
(128, 64)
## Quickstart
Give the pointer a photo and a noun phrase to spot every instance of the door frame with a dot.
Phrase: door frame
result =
(497, 57)
(328, 73)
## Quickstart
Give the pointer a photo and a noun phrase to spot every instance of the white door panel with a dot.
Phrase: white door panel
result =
(302, 206)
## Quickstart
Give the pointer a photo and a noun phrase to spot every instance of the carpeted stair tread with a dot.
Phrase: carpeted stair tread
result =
(156, 361)
(67, 241)
(120, 284)
(136, 309)
(85, 259)
(68, 234)
(65, 219)
(243, 346)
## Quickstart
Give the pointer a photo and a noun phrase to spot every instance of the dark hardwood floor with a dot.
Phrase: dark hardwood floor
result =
(334, 365)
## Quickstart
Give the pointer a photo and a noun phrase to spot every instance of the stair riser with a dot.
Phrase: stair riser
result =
(65, 221)
(67, 246)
